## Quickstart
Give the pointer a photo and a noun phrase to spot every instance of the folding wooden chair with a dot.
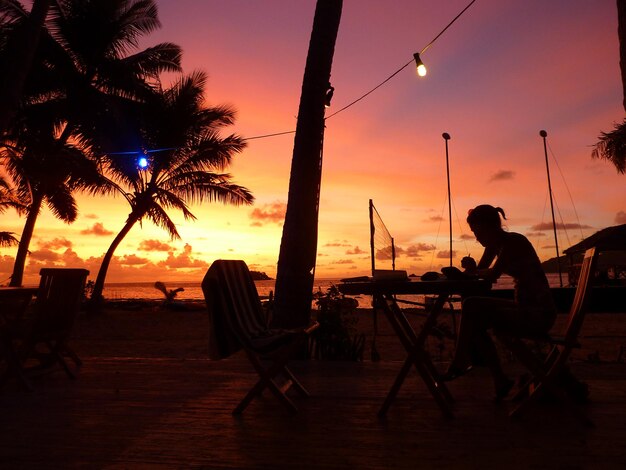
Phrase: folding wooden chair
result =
(56, 308)
(546, 374)
(237, 321)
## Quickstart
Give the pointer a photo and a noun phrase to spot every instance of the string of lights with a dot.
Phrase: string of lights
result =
(416, 59)
(421, 70)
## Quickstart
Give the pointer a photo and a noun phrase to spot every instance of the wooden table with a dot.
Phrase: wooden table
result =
(383, 293)
(13, 304)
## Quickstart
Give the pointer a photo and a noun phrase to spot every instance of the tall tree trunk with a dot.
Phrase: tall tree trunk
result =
(27, 234)
(621, 31)
(298, 248)
(22, 49)
(95, 302)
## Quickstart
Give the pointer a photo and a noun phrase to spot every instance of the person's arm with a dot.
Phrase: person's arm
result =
(487, 258)
(484, 270)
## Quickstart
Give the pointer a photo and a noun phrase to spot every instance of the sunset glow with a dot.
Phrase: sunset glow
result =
(499, 75)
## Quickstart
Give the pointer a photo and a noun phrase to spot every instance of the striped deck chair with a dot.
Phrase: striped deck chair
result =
(237, 321)
(546, 373)
(56, 308)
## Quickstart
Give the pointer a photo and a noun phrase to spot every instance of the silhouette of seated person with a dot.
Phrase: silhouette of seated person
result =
(469, 265)
(531, 312)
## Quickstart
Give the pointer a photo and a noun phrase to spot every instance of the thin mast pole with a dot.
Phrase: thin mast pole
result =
(446, 137)
(544, 134)
(372, 233)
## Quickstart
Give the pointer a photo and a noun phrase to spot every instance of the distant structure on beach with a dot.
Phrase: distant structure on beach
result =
(260, 276)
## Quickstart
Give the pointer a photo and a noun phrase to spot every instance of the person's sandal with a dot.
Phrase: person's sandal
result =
(454, 372)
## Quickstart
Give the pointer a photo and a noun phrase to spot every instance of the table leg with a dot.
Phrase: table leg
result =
(395, 388)
(417, 357)
(416, 342)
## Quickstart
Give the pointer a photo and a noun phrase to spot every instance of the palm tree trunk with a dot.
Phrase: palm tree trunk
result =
(96, 296)
(24, 44)
(27, 235)
(621, 31)
(298, 248)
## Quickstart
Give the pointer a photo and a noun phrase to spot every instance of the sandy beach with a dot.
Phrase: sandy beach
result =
(146, 329)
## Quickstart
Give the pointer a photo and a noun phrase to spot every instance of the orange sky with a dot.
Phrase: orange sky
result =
(501, 73)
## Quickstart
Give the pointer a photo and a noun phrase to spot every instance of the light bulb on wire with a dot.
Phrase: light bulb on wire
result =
(421, 68)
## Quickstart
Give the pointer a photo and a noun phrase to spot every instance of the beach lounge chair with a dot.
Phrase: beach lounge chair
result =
(56, 308)
(237, 321)
(546, 373)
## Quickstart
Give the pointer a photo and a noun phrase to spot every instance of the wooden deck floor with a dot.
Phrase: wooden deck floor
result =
(171, 413)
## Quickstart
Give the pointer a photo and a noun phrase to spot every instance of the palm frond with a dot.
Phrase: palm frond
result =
(7, 239)
(160, 218)
(611, 146)
(62, 204)
(150, 62)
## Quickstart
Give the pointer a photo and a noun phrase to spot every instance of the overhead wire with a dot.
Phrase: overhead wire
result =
(366, 94)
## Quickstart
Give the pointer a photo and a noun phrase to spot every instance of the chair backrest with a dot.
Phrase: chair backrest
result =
(235, 311)
(58, 301)
(581, 298)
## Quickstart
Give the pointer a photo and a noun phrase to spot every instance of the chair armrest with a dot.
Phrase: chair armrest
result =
(312, 327)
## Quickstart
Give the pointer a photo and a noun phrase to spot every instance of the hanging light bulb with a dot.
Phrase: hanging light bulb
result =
(142, 160)
(421, 68)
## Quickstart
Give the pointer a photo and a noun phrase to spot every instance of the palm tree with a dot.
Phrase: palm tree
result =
(92, 39)
(86, 84)
(185, 167)
(298, 246)
(46, 171)
(8, 200)
(21, 45)
(612, 145)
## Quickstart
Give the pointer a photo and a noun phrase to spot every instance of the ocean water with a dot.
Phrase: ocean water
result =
(193, 290)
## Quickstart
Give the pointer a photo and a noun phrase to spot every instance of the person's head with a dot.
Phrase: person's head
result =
(485, 222)
(468, 263)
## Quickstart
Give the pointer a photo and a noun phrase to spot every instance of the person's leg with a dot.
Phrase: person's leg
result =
(478, 315)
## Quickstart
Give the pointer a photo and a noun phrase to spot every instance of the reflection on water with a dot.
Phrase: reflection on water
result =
(193, 290)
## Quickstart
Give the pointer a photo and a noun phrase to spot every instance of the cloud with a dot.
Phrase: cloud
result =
(559, 226)
(502, 175)
(91, 216)
(184, 260)
(154, 245)
(44, 255)
(343, 261)
(620, 217)
(355, 251)
(96, 229)
(414, 251)
(55, 244)
(269, 213)
(49, 258)
(466, 236)
(385, 253)
(132, 260)
(435, 218)
(446, 254)
(337, 243)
